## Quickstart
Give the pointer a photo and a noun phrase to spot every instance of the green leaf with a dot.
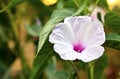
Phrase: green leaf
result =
(113, 41)
(12, 4)
(80, 9)
(72, 76)
(103, 4)
(57, 16)
(60, 75)
(52, 72)
(112, 21)
(69, 4)
(51, 68)
(34, 30)
(40, 60)
(2, 69)
(45, 50)
(60, 4)
(3, 34)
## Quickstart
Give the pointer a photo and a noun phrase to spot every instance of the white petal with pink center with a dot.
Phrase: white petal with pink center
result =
(78, 37)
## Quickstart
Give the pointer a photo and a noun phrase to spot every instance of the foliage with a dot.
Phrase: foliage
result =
(20, 16)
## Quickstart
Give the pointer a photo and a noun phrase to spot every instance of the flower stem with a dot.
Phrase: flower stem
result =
(91, 70)
(10, 15)
(25, 67)
(18, 51)
(76, 3)
(94, 6)
(75, 69)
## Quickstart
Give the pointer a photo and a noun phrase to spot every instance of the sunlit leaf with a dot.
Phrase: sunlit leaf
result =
(57, 16)
(112, 21)
(113, 41)
(12, 4)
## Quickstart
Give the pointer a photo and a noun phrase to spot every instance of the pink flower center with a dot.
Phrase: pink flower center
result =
(78, 48)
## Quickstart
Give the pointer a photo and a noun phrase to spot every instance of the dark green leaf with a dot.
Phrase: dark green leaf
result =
(60, 75)
(6, 55)
(2, 69)
(73, 76)
(40, 60)
(44, 50)
(100, 65)
(113, 41)
(12, 4)
(3, 35)
(52, 71)
(103, 4)
(112, 21)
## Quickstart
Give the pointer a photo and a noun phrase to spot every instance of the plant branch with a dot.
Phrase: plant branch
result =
(76, 3)
(94, 6)
(91, 70)
(75, 69)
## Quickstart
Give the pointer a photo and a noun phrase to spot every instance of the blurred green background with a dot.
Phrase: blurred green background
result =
(21, 22)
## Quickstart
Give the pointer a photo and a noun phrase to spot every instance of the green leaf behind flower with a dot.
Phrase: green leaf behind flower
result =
(112, 21)
(100, 65)
(56, 73)
(113, 41)
(56, 17)
(45, 50)
(40, 60)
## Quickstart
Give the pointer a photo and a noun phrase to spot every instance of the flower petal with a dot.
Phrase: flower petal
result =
(78, 24)
(91, 33)
(59, 34)
(98, 37)
(65, 51)
(76, 21)
(91, 53)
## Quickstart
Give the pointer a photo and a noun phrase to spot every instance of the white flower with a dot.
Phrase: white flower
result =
(78, 38)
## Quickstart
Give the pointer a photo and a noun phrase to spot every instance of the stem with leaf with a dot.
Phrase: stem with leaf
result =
(76, 3)
(75, 69)
(19, 50)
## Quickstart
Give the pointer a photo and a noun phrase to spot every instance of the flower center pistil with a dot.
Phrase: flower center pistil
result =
(78, 48)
